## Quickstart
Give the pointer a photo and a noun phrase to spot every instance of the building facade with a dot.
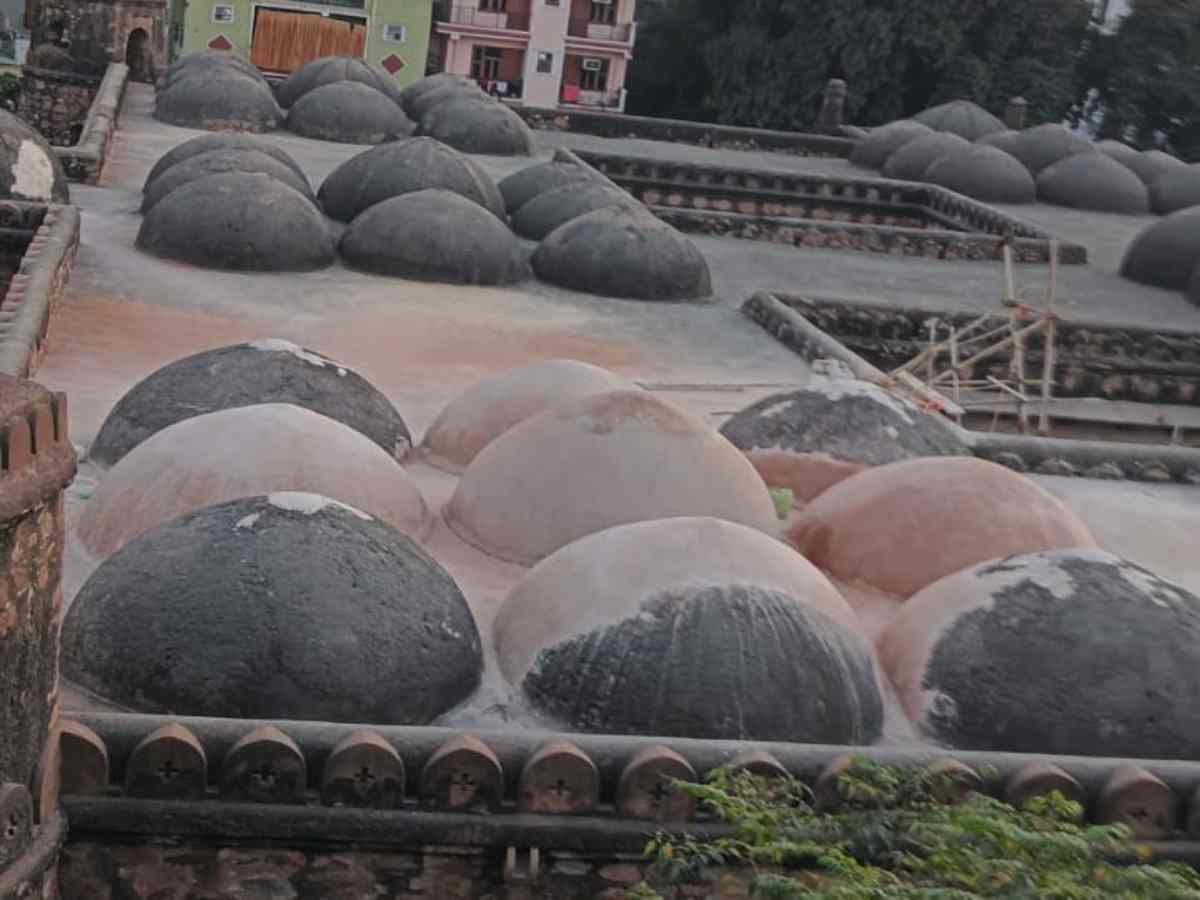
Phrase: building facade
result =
(99, 32)
(543, 53)
(281, 35)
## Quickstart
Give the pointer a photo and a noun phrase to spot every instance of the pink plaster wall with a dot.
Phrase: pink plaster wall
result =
(547, 33)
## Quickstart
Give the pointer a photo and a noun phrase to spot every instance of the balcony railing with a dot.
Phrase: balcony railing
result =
(593, 99)
(620, 32)
(461, 14)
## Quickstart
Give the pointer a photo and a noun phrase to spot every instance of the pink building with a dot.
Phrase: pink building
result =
(545, 53)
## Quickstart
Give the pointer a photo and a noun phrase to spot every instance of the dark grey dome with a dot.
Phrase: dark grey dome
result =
(29, 169)
(348, 112)
(618, 252)
(1150, 165)
(289, 606)
(1045, 145)
(1001, 140)
(961, 117)
(489, 128)
(239, 221)
(724, 662)
(521, 187)
(549, 210)
(985, 173)
(1176, 189)
(1166, 252)
(402, 167)
(204, 64)
(265, 371)
(431, 83)
(911, 160)
(225, 140)
(219, 100)
(1093, 181)
(1117, 150)
(331, 69)
(873, 150)
(217, 161)
(1063, 652)
(434, 235)
(447, 92)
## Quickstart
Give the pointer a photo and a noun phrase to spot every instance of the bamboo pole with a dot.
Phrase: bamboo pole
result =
(992, 350)
(1049, 340)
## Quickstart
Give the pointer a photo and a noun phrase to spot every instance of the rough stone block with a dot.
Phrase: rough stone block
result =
(16, 822)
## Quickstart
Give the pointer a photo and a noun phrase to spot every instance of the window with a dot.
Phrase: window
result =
(545, 63)
(603, 12)
(593, 75)
(222, 15)
(492, 5)
(485, 63)
(395, 34)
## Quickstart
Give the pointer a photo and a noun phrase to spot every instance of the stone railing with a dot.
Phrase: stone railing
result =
(37, 287)
(84, 162)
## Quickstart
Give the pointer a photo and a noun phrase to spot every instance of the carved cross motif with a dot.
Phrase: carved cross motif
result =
(660, 793)
(168, 771)
(561, 788)
(364, 777)
(264, 775)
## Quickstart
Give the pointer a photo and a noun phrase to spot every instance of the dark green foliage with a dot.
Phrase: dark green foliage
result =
(10, 91)
(765, 62)
(893, 837)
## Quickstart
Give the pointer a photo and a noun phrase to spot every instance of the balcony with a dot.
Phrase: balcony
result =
(574, 96)
(462, 14)
(620, 32)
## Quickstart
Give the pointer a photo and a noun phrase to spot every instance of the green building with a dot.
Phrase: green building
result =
(279, 36)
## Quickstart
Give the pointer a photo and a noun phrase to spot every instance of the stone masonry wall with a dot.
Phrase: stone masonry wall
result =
(56, 103)
(98, 30)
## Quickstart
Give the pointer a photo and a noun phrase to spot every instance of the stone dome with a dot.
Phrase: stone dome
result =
(241, 452)
(521, 187)
(1150, 165)
(264, 371)
(423, 86)
(558, 206)
(1175, 190)
(29, 169)
(600, 461)
(216, 162)
(1117, 150)
(240, 221)
(332, 69)
(1093, 181)
(1067, 652)
(961, 117)
(224, 140)
(423, 104)
(901, 527)
(348, 112)
(489, 128)
(1166, 252)
(810, 439)
(402, 167)
(617, 252)
(206, 63)
(434, 235)
(984, 173)
(284, 606)
(1001, 140)
(221, 99)
(911, 160)
(880, 143)
(1045, 145)
(492, 406)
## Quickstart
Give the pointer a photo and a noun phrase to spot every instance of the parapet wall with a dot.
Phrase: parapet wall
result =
(56, 103)
(84, 159)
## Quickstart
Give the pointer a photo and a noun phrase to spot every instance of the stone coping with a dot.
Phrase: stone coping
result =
(38, 285)
(33, 869)
(85, 161)
(583, 792)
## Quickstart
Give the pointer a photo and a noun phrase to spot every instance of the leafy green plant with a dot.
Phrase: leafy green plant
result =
(894, 835)
(10, 91)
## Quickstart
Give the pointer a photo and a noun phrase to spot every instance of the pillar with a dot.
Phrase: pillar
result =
(1014, 115)
(833, 107)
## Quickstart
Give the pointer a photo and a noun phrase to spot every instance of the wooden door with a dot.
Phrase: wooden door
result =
(284, 41)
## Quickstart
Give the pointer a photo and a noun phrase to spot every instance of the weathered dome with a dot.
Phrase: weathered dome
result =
(1166, 252)
(423, 104)
(488, 128)
(521, 187)
(911, 160)
(1150, 165)
(880, 143)
(1117, 150)
(901, 527)
(431, 83)
(205, 64)
(348, 112)
(493, 406)
(617, 252)
(216, 162)
(265, 371)
(810, 439)
(241, 221)
(1068, 652)
(1093, 181)
(222, 99)
(434, 235)
(402, 167)
(1001, 140)
(1045, 145)
(286, 606)
(241, 452)
(331, 69)
(558, 206)
(224, 140)
(29, 169)
(597, 462)
(961, 117)
(984, 173)
(1175, 190)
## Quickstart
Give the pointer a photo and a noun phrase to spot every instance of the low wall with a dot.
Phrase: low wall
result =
(56, 103)
(84, 161)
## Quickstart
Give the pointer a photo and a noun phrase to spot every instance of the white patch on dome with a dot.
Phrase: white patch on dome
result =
(247, 522)
(33, 172)
(278, 345)
(775, 409)
(450, 631)
(1160, 591)
(1043, 569)
(891, 432)
(837, 388)
(310, 504)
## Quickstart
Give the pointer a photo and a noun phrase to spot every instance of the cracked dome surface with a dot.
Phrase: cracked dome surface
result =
(348, 112)
(533, 181)
(29, 168)
(281, 606)
(594, 463)
(241, 452)
(1064, 652)
(880, 143)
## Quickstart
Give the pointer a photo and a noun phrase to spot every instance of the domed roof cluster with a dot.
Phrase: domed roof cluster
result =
(331, 69)
(345, 100)
(216, 91)
(29, 169)
(456, 112)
